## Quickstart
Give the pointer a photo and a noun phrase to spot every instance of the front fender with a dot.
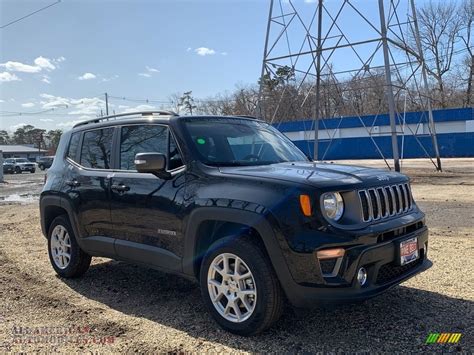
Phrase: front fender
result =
(259, 222)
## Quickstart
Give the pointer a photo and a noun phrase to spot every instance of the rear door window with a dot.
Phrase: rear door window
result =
(96, 149)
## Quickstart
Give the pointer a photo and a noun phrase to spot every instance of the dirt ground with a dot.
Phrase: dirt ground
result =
(118, 307)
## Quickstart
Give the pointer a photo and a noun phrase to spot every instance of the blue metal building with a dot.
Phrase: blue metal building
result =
(349, 138)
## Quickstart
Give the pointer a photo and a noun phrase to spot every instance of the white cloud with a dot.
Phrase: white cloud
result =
(46, 79)
(28, 104)
(123, 106)
(54, 101)
(20, 67)
(6, 76)
(2, 100)
(139, 108)
(149, 72)
(224, 53)
(69, 124)
(152, 70)
(44, 63)
(40, 63)
(83, 106)
(46, 120)
(189, 49)
(104, 80)
(203, 51)
(19, 125)
(87, 76)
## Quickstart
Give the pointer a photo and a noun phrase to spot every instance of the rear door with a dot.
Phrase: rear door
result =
(87, 185)
(146, 209)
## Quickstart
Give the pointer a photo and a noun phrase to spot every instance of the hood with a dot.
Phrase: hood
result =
(319, 174)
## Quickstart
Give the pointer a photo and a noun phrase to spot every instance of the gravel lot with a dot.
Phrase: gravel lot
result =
(120, 307)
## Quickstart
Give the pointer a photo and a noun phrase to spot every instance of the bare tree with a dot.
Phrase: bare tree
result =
(467, 20)
(440, 25)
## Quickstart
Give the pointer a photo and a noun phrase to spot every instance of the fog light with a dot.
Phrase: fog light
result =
(362, 276)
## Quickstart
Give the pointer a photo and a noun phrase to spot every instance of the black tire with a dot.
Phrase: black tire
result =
(41, 167)
(269, 304)
(17, 170)
(79, 262)
(32, 171)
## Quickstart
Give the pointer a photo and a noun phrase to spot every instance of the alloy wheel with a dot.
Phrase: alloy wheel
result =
(61, 247)
(232, 287)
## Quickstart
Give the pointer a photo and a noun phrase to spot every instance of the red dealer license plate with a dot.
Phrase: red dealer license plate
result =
(408, 251)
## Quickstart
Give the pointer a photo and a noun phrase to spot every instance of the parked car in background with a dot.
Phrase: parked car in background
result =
(21, 164)
(45, 162)
(8, 168)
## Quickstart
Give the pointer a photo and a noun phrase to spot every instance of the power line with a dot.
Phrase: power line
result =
(30, 14)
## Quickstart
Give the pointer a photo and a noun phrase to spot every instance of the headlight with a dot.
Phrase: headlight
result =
(333, 205)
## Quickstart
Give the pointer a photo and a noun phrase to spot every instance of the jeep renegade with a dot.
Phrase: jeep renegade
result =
(233, 204)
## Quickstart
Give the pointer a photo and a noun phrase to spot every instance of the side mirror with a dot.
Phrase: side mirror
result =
(153, 163)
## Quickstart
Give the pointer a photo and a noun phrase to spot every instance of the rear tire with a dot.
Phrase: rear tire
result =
(65, 255)
(243, 305)
(17, 170)
(32, 171)
(41, 167)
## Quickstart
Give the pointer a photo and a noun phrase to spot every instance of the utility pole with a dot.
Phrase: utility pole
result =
(389, 87)
(106, 104)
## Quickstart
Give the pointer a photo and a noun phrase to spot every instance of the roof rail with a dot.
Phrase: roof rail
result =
(247, 116)
(120, 115)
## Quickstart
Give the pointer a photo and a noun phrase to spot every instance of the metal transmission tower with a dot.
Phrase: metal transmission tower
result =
(322, 54)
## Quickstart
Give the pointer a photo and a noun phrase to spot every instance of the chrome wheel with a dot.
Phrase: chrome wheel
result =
(232, 287)
(61, 247)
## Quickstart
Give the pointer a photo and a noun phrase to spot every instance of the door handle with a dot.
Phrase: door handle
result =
(121, 188)
(73, 183)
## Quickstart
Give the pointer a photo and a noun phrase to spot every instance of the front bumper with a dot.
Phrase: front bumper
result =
(27, 167)
(380, 261)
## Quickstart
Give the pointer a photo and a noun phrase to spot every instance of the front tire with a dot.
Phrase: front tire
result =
(32, 171)
(18, 170)
(65, 255)
(239, 286)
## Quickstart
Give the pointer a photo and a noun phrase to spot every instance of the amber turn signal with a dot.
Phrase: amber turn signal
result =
(330, 253)
(305, 204)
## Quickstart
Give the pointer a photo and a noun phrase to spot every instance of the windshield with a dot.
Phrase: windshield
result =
(233, 142)
(22, 161)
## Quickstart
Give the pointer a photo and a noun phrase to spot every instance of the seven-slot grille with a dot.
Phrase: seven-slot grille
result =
(385, 201)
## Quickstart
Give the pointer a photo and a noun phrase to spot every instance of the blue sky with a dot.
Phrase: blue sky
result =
(67, 56)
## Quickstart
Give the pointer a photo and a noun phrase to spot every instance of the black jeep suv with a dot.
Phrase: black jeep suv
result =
(234, 204)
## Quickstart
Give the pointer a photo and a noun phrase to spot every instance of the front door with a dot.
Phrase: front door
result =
(146, 209)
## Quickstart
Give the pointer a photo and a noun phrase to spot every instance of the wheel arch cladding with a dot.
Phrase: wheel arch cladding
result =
(209, 231)
(228, 220)
(50, 208)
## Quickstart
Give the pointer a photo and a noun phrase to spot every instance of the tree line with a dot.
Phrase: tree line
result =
(30, 135)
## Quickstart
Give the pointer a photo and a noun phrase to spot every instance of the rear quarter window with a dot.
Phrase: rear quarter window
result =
(73, 147)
